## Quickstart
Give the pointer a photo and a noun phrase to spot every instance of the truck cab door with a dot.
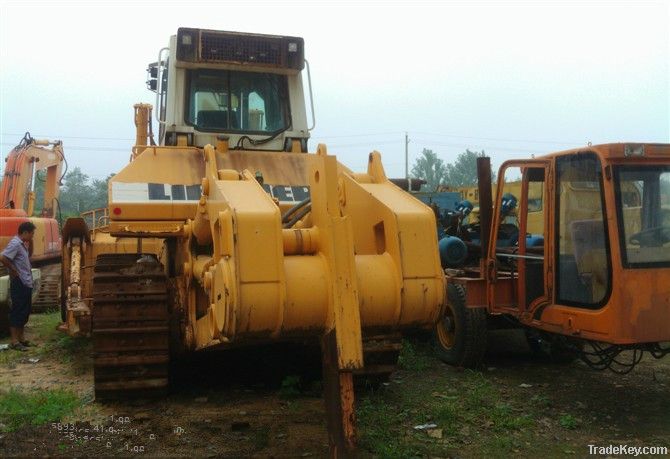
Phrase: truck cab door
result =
(517, 268)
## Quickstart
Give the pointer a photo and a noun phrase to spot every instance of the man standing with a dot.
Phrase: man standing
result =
(16, 258)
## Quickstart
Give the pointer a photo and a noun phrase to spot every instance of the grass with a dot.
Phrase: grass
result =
(50, 342)
(568, 421)
(382, 428)
(465, 406)
(541, 401)
(19, 408)
(414, 357)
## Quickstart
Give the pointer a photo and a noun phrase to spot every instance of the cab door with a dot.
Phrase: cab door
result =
(517, 268)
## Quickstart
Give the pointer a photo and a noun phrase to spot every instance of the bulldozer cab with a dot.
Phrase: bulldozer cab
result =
(247, 87)
(597, 248)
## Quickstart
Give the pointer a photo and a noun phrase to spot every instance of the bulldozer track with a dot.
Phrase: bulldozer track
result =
(380, 355)
(130, 328)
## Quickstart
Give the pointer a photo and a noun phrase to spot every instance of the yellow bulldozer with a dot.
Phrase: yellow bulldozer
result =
(227, 232)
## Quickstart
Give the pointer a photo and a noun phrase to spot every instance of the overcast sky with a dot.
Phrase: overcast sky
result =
(512, 78)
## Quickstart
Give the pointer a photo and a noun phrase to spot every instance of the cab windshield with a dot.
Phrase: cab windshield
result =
(221, 100)
(643, 206)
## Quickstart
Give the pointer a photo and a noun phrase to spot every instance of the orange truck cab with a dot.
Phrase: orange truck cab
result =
(601, 278)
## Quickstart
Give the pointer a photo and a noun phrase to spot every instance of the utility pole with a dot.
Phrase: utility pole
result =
(406, 156)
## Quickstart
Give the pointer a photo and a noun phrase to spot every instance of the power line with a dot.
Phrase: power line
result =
(82, 148)
(11, 134)
(356, 135)
(44, 136)
(371, 134)
(498, 139)
(365, 144)
(463, 145)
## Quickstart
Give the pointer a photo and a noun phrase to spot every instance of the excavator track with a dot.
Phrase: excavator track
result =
(48, 296)
(130, 327)
(380, 355)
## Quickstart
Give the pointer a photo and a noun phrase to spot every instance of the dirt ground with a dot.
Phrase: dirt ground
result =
(249, 405)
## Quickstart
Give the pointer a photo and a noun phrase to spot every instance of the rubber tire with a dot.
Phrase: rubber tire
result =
(471, 332)
(550, 347)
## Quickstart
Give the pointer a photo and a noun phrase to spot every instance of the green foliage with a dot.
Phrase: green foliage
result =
(568, 421)
(76, 193)
(56, 343)
(463, 171)
(40, 180)
(505, 419)
(381, 428)
(541, 401)
(430, 168)
(481, 394)
(18, 408)
(79, 194)
(447, 417)
(412, 357)
(469, 405)
(50, 343)
(99, 192)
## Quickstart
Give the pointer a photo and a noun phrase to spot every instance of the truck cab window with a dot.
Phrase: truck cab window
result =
(643, 205)
(583, 274)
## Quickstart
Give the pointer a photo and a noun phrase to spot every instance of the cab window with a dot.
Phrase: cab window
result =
(583, 269)
(222, 100)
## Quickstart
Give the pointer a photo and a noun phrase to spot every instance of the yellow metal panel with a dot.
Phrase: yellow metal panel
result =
(257, 225)
(414, 220)
(258, 309)
(278, 168)
(379, 290)
(307, 292)
(337, 245)
(388, 221)
(175, 165)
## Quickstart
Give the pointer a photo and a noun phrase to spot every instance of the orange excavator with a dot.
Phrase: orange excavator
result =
(32, 160)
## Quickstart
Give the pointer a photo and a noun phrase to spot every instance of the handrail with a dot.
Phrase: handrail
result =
(95, 220)
(311, 98)
(159, 85)
(525, 257)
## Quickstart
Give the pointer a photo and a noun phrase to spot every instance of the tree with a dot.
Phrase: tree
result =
(430, 168)
(463, 171)
(76, 195)
(99, 188)
(40, 180)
